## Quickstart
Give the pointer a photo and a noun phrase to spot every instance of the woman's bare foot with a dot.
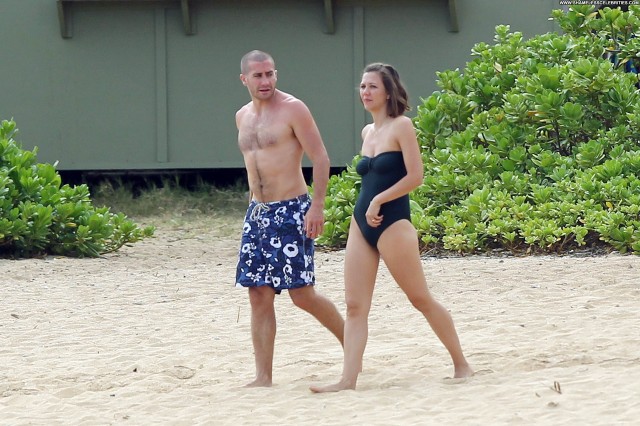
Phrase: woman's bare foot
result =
(463, 371)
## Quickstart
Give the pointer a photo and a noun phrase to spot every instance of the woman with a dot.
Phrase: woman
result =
(391, 167)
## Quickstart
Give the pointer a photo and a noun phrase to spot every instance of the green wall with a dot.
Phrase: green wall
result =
(131, 90)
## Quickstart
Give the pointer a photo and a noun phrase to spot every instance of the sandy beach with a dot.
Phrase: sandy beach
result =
(156, 334)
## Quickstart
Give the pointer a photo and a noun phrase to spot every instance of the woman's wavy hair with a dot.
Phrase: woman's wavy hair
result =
(398, 102)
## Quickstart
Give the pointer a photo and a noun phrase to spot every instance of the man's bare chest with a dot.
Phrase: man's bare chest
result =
(257, 135)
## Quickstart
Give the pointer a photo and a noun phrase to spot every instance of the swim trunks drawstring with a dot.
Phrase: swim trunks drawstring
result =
(257, 211)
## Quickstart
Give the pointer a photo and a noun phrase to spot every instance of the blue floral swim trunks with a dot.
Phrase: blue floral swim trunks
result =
(275, 250)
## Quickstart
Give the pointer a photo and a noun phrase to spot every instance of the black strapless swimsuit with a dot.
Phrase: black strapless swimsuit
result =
(378, 174)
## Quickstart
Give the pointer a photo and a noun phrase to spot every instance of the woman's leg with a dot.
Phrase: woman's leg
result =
(360, 270)
(398, 247)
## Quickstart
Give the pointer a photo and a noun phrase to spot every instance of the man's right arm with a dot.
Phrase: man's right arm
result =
(239, 116)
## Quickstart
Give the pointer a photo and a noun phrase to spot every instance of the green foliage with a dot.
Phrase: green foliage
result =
(340, 201)
(39, 215)
(533, 147)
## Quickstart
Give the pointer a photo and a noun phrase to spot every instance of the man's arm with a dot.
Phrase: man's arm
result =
(239, 115)
(307, 133)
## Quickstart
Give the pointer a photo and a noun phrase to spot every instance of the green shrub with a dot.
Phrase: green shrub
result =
(39, 215)
(533, 147)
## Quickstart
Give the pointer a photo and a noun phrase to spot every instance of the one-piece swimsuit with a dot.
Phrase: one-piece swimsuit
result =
(378, 174)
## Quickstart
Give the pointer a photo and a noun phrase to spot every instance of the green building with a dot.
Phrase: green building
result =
(153, 84)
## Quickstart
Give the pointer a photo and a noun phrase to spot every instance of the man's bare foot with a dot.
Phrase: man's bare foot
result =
(463, 371)
(259, 383)
(340, 386)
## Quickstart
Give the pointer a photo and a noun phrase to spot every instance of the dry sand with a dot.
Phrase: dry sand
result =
(155, 334)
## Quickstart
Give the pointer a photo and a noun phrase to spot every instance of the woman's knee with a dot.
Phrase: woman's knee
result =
(422, 302)
(357, 309)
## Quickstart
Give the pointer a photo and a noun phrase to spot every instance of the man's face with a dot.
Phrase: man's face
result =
(260, 79)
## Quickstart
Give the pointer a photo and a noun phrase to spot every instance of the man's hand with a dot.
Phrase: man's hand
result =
(314, 221)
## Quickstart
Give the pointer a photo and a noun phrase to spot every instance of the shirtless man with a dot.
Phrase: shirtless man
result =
(275, 130)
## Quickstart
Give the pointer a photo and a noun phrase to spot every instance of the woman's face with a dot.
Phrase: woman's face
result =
(372, 92)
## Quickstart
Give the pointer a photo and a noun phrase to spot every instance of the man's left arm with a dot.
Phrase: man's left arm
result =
(307, 133)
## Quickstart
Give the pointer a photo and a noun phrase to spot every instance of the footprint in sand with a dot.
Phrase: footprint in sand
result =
(182, 372)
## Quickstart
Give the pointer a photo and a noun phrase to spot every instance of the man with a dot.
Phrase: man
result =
(275, 130)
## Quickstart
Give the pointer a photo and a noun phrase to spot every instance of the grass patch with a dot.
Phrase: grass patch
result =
(170, 205)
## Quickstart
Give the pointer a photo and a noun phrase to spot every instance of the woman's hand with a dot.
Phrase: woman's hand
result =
(374, 219)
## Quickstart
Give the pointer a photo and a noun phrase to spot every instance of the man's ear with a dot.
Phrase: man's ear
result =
(242, 79)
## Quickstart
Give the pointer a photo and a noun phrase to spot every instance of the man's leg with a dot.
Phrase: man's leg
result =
(321, 308)
(263, 333)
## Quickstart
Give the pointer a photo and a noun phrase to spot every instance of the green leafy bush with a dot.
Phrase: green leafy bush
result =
(39, 215)
(533, 147)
